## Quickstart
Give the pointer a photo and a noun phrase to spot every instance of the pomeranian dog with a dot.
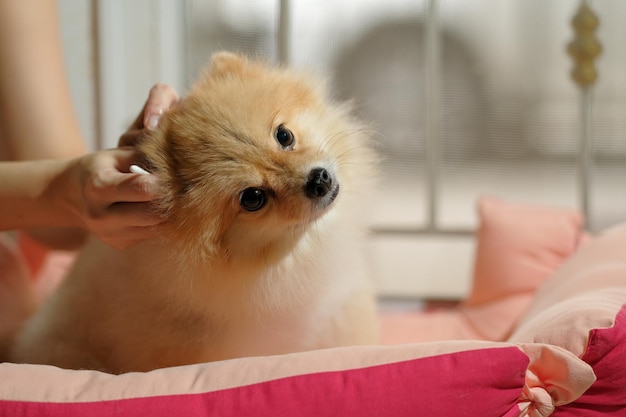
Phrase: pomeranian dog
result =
(266, 180)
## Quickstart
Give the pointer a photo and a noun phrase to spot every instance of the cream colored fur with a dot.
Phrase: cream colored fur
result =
(223, 282)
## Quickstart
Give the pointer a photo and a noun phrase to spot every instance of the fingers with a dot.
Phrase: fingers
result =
(129, 224)
(115, 183)
(108, 180)
(139, 215)
(123, 225)
(123, 158)
(120, 206)
(132, 186)
(136, 188)
(162, 97)
(129, 237)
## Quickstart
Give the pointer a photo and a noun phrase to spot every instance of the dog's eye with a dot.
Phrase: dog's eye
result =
(252, 199)
(284, 137)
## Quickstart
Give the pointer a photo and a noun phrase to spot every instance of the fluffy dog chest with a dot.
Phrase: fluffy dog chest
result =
(234, 313)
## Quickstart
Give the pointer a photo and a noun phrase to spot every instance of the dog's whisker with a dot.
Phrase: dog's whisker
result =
(334, 137)
(337, 136)
(346, 153)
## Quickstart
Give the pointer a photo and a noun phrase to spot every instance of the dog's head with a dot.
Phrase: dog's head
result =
(254, 156)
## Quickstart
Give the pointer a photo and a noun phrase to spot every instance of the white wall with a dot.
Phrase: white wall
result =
(79, 53)
(114, 52)
(141, 42)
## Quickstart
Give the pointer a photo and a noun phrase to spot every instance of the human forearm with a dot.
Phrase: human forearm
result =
(36, 112)
(96, 192)
(30, 195)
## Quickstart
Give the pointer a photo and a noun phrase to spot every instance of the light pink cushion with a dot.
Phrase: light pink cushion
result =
(582, 308)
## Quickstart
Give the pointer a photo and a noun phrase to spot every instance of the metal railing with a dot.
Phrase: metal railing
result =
(584, 49)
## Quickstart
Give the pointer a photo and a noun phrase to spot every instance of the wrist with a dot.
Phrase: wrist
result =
(62, 193)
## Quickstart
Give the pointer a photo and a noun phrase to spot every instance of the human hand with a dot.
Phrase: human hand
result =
(116, 203)
(161, 98)
(56, 200)
(113, 203)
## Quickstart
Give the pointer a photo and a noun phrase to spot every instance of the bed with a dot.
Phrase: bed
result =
(542, 333)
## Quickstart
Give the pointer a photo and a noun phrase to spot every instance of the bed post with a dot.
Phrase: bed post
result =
(584, 49)
(284, 33)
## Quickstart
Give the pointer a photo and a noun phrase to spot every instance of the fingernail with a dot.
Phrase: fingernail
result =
(153, 121)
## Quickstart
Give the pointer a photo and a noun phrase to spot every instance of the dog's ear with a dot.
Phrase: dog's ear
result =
(226, 63)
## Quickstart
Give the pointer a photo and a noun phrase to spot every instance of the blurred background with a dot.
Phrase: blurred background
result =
(467, 98)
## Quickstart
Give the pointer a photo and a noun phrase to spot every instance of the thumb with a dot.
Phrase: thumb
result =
(136, 188)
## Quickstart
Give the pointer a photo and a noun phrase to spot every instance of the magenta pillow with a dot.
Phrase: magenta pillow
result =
(606, 353)
(393, 389)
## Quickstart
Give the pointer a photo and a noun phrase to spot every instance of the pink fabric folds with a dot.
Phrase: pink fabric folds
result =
(554, 378)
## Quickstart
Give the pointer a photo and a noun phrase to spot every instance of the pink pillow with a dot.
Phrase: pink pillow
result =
(518, 247)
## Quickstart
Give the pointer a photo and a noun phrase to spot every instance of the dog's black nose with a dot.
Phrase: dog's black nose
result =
(319, 183)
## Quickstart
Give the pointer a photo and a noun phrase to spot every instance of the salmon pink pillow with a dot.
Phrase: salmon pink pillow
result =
(518, 246)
